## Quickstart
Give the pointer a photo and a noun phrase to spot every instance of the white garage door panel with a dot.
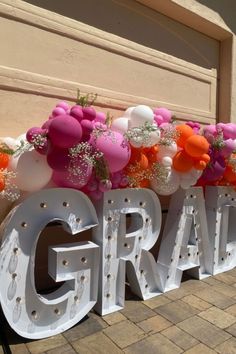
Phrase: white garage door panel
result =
(49, 55)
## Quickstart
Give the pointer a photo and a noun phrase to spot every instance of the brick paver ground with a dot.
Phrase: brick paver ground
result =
(197, 318)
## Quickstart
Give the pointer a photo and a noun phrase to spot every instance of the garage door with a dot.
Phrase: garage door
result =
(125, 52)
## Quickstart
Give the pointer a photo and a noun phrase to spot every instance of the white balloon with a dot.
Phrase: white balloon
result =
(154, 138)
(166, 161)
(195, 173)
(32, 171)
(10, 142)
(128, 112)
(120, 125)
(167, 150)
(137, 142)
(169, 187)
(185, 184)
(140, 115)
(21, 137)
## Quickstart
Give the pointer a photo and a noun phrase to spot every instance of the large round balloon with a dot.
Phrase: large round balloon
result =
(182, 162)
(196, 145)
(140, 115)
(64, 131)
(67, 179)
(120, 125)
(32, 171)
(184, 131)
(116, 150)
(169, 187)
(58, 159)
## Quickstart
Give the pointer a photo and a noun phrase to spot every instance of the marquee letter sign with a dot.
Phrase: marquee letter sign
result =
(199, 236)
(221, 215)
(185, 244)
(121, 246)
(37, 316)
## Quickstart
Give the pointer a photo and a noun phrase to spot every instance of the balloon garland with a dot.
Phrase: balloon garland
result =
(78, 147)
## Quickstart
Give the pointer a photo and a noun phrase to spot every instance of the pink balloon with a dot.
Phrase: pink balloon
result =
(66, 179)
(158, 119)
(228, 148)
(115, 149)
(89, 113)
(63, 105)
(100, 117)
(228, 131)
(96, 195)
(105, 185)
(64, 131)
(87, 126)
(58, 159)
(58, 111)
(77, 113)
(32, 134)
(164, 113)
(47, 124)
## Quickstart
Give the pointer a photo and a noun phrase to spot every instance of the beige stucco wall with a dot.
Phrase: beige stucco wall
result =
(126, 52)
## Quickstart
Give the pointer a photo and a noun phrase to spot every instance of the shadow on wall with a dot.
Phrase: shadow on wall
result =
(137, 23)
(225, 8)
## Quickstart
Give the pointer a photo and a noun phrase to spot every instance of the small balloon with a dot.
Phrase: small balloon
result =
(169, 187)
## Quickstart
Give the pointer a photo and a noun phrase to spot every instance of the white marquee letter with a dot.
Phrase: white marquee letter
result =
(120, 246)
(221, 215)
(185, 243)
(37, 316)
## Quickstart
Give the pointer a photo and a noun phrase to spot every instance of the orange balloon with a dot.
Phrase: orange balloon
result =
(2, 182)
(206, 158)
(182, 162)
(144, 183)
(143, 161)
(199, 165)
(4, 160)
(135, 154)
(229, 174)
(196, 145)
(185, 131)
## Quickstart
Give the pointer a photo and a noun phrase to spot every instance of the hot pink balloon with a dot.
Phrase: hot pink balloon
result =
(67, 180)
(58, 111)
(63, 105)
(32, 134)
(77, 113)
(116, 150)
(89, 113)
(58, 159)
(64, 131)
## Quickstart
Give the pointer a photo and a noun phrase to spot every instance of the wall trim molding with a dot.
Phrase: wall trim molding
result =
(27, 82)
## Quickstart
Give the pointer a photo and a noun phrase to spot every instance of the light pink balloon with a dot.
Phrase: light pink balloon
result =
(164, 113)
(116, 150)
